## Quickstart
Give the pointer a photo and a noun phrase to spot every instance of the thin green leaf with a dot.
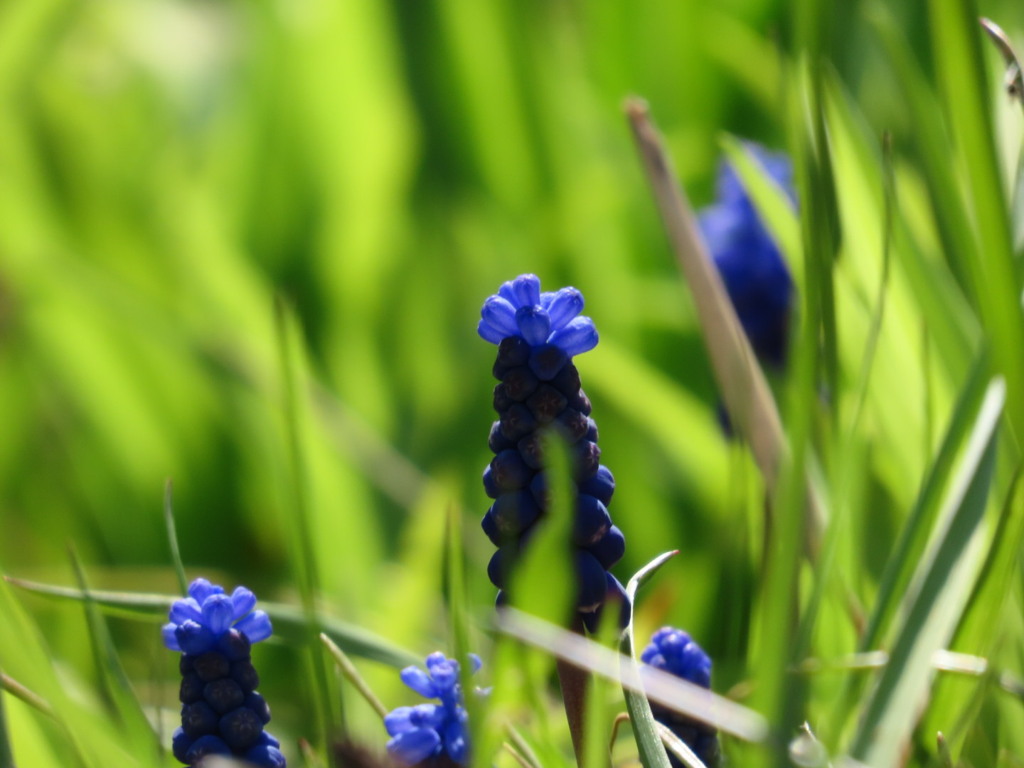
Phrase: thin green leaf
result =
(172, 537)
(6, 755)
(327, 704)
(289, 621)
(350, 673)
(649, 741)
(936, 598)
(117, 686)
(678, 747)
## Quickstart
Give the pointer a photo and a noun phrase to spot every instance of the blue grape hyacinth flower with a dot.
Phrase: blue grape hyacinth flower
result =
(674, 651)
(755, 275)
(221, 711)
(431, 735)
(539, 389)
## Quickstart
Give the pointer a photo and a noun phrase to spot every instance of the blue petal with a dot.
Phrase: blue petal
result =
(413, 747)
(183, 610)
(266, 756)
(565, 305)
(533, 323)
(489, 333)
(256, 626)
(455, 743)
(475, 662)
(169, 638)
(526, 289)
(577, 337)
(193, 637)
(419, 681)
(399, 721)
(242, 601)
(506, 292)
(500, 315)
(218, 614)
(546, 298)
(200, 589)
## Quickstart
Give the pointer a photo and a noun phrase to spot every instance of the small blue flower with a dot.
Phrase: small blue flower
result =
(674, 651)
(221, 711)
(751, 266)
(519, 309)
(428, 731)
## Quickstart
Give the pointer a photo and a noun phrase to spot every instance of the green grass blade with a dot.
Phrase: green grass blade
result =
(645, 728)
(172, 537)
(116, 685)
(350, 673)
(936, 599)
(6, 756)
(956, 41)
(330, 714)
(289, 620)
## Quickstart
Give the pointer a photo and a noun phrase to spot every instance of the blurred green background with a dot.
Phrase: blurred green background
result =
(172, 169)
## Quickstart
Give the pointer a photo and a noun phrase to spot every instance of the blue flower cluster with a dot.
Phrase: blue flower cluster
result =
(751, 266)
(221, 712)
(539, 390)
(430, 735)
(674, 651)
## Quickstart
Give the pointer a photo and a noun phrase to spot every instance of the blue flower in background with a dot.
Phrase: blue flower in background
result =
(428, 734)
(751, 266)
(221, 711)
(539, 391)
(674, 651)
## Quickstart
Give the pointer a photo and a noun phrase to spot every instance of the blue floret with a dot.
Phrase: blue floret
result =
(427, 731)
(519, 309)
(752, 268)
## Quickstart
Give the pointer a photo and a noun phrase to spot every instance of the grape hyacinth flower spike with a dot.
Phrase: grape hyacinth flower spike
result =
(221, 712)
(674, 651)
(432, 735)
(752, 268)
(539, 389)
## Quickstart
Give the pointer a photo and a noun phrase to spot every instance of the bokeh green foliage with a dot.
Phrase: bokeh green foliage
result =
(173, 170)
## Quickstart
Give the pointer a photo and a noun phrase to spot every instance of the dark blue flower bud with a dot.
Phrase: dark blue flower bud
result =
(517, 422)
(224, 695)
(191, 689)
(592, 521)
(519, 384)
(199, 718)
(600, 486)
(610, 548)
(510, 472)
(546, 403)
(674, 651)
(514, 512)
(547, 361)
(241, 729)
(205, 746)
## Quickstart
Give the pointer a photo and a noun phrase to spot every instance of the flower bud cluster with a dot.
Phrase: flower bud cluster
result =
(221, 711)
(674, 651)
(539, 392)
(431, 735)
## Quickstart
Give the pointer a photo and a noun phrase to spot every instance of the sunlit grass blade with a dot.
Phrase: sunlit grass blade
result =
(330, 713)
(289, 620)
(665, 689)
(956, 40)
(936, 598)
(648, 736)
(773, 206)
(6, 756)
(350, 673)
(172, 537)
(117, 687)
(911, 543)
(739, 377)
